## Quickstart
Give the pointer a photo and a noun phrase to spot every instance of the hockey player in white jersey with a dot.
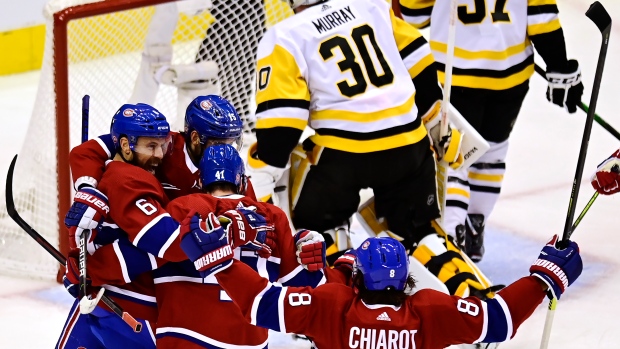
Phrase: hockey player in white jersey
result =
(365, 82)
(493, 62)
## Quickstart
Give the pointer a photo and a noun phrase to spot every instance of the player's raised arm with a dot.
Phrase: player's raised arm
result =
(87, 161)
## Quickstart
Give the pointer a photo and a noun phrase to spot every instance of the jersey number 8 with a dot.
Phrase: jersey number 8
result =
(350, 60)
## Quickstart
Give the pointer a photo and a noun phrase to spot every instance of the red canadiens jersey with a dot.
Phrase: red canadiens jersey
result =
(196, 312)
(333, 316)
(177, 173)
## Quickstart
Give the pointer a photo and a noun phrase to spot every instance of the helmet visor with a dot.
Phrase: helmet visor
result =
(235, 142)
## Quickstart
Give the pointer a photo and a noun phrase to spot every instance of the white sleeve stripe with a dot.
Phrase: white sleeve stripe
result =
(169, 242)
(148, 326)
(153, 261)
(147, 227)
(121, 261)
(103, 146)
(256, 303)
(485, 322)
(261, 268)
(85, 180)
(506, 310)
(291, 275)
(281, 318)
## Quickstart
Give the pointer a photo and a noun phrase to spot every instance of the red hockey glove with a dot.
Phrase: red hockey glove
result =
(88, 211)
(205, 243)
(71, 279)
(249, 230)
(310, 250)
(606, 180)
(558, 268)
(346, 261)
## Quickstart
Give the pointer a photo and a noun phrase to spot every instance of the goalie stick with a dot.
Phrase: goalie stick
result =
(585, 108)
(601, 18)
(10, 207)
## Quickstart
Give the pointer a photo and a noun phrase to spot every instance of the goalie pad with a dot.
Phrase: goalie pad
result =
(439, 256)
(473, 146)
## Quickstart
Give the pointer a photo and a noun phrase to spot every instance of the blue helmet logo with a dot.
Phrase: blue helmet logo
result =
(384, 264)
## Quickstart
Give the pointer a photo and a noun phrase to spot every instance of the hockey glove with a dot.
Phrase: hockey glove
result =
(448, 147)
(606, 179)
(206, 243)
(249, 230)
(557, 268)
(565, 87)
(71, 279)
(310, 250)
(346, 261)
(262, 176)
(89, 210)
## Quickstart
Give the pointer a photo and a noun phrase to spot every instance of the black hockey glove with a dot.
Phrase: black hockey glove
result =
(565, 87)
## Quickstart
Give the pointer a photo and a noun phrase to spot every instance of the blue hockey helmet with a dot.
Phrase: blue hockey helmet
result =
(138, 120)
(384, 263)
(214, 118)
(222, 163)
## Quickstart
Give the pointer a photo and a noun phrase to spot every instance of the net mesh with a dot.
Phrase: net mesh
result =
(104, 57)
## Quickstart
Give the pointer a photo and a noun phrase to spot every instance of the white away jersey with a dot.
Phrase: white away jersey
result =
(344, 68)
(492, 47)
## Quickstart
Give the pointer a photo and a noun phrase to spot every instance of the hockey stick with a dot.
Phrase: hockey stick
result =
(601, 18)
(10, 207)
(85, 308)
(585, 108)
(442, 166)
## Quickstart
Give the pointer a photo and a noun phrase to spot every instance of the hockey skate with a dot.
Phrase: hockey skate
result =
(470, 237)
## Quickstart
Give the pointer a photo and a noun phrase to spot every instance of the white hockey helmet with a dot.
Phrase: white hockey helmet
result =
(296, 3)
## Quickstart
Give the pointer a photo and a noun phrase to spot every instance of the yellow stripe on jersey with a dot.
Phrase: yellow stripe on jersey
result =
(421, 65)
(404, 33)
(541, 2)
(542, 28)
(348, 115)
(486, 177)
(367, 146)
(458, 191)
(489, 83)
(282, 78)
(281, 122)
(417, 4)
(486, 54)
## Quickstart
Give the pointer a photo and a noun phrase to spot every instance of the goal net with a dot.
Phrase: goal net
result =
(162, 52)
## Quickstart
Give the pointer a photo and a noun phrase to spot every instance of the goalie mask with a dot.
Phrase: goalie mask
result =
(141, 120)
(216, 120)
(296, 3)
(384, 264)
(222, 163)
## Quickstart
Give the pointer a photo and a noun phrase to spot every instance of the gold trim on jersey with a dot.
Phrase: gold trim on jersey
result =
(489, 83)
(331, 114)
(486, 177)
(458, 191)
(542, 28)
(285, 80)
(485, 54)
(421, 65)
(281, 122)
(367, 146)
(541, 2)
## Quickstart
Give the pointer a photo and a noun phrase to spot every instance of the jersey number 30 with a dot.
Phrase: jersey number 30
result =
(350, 61)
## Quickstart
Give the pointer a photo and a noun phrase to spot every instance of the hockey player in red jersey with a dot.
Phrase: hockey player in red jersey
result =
(377, 311)
(184, 295)
(606, 179)
(208, 120)
(141, 136)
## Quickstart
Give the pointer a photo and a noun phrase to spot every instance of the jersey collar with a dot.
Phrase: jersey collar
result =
(379, 306)
(188, 161)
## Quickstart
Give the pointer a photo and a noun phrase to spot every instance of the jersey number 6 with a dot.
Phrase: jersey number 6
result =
(350, 60)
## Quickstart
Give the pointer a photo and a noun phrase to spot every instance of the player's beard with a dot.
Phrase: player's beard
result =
(149, 165)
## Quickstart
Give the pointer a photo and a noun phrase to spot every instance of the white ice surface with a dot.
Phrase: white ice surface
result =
(533, 204)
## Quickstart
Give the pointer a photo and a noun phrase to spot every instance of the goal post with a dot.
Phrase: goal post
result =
(111, 50)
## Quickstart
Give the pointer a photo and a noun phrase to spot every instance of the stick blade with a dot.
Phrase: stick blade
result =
(10, 203)
(599, 16)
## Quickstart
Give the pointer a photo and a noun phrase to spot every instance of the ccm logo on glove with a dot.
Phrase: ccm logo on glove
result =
(81, 196)
(213, 257)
